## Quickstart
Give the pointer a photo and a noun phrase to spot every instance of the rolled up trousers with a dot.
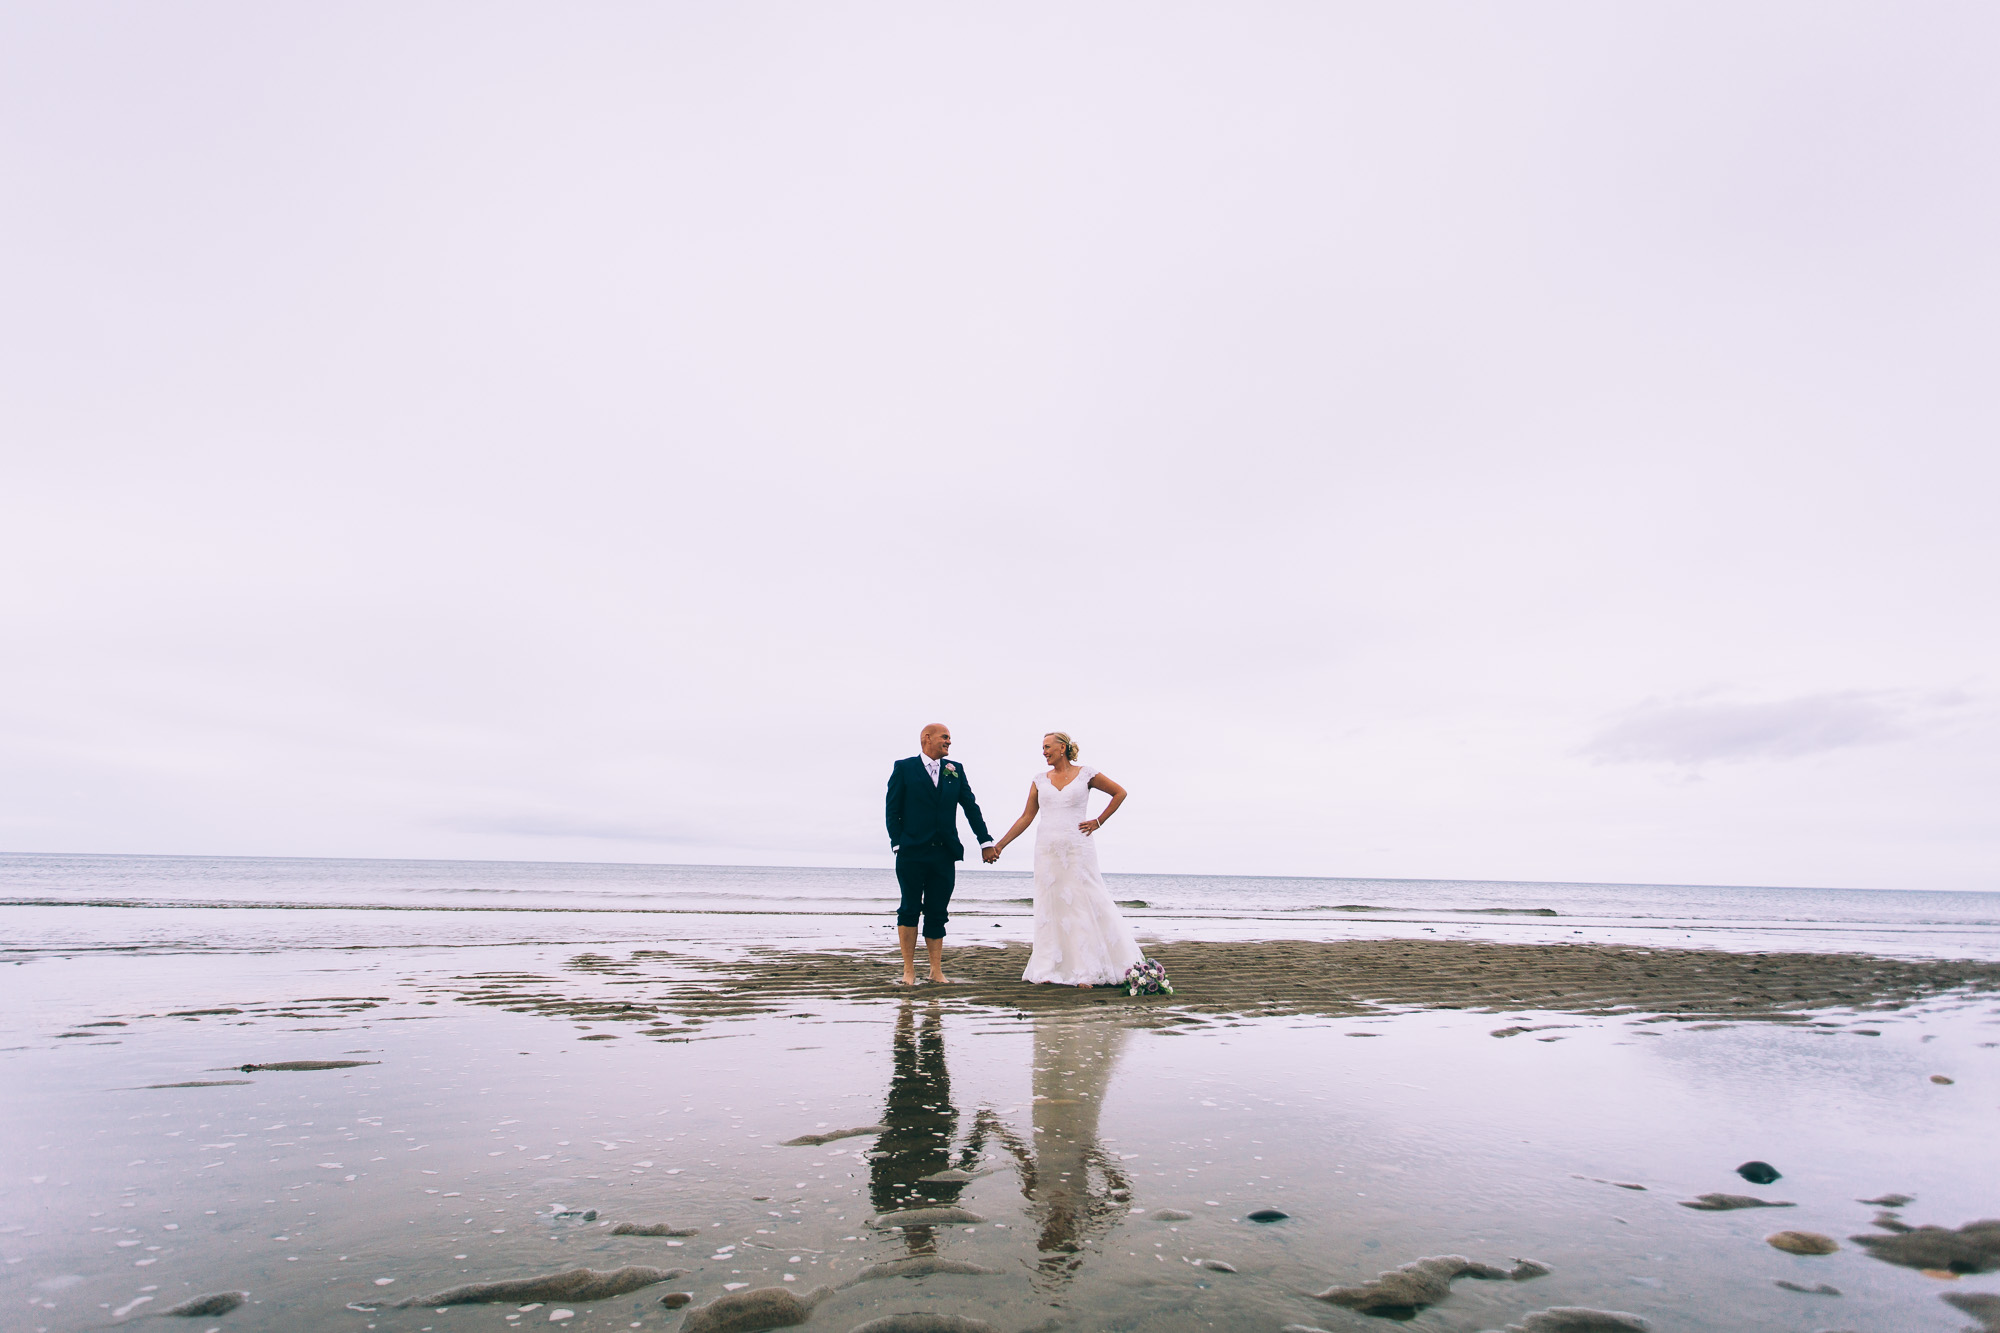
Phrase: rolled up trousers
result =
(925, 875)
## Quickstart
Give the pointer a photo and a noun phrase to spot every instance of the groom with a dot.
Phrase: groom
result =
(925, 792)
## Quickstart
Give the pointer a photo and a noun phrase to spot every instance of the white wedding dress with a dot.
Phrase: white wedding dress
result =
(1079, 936)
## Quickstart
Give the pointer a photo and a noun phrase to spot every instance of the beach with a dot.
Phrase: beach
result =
(333, 1118)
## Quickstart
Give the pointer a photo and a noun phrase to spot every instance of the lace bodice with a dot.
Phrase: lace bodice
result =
(1062, 808)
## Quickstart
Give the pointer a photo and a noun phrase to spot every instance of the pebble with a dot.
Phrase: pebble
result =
(674, 1300)
(1890, 1200)
(1722, 1203)
(1412, 1287)
(205, 1083)
(1981, 1305)
(1171, 1215)
(1267, 1215)
(1215, 1265)
(1579, 1319)
(745, 1311)
(1758, 1173)
(927, 1217)
(575, 1284)
(1801, 1242)
(814, 1140)
(1940, 1078)
(297, 1066)
(925, 1323)
(1821, 1290)
(218, 1302)
(653, 1229)
(1973, 1248)
(920, 1265)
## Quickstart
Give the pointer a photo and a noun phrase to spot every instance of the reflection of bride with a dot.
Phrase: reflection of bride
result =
(1076, 1191)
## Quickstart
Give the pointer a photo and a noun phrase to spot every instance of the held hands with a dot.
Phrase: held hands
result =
(989, 855)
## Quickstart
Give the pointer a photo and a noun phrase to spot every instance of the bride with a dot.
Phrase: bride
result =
(1080, 940)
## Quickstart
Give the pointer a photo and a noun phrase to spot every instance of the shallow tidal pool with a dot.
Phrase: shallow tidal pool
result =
(480, 1135)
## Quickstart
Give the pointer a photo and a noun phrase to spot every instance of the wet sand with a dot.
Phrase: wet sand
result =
(1228, 980)
(340, 1137)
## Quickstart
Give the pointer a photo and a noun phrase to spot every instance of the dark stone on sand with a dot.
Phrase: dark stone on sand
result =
(1722, 1203)
(1821, 1290)
(1215, 1265)
(1579, 1319)
(1940, 1078)
(1133, 902)
(1981, 1305)
(926, 1217)
(575, 1284)
(216, 1302)
(1401, 1292)
(1170, 1215)
(207, 1083)
(814, 1140)
(924, 1323)
(302, 1066)
(1973, 1248)
(674, 1300)
(1508, 1032)
(1890, 1200)
(747, 1311)
(653, 1229)
(1890, 1222)
(1801, 1242)
(1267, 1215)
(1758, 1173)
(921, 1265)
(1526, 1270)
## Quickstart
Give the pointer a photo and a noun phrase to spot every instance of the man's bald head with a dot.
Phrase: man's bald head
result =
(935, 741)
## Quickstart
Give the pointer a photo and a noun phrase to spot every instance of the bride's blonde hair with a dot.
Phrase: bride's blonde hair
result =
(1069, 746)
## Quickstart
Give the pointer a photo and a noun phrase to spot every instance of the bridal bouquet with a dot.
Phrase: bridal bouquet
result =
(1148, 977)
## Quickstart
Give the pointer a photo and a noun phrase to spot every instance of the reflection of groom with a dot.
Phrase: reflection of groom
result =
(925, 792)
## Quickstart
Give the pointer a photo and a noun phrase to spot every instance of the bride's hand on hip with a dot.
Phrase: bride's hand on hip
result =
(1090, 826)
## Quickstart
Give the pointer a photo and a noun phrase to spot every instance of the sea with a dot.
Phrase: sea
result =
(68, 903)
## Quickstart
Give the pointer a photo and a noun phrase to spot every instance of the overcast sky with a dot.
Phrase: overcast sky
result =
(1527, 441)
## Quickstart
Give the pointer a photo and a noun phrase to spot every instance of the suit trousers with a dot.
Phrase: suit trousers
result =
(925, 875)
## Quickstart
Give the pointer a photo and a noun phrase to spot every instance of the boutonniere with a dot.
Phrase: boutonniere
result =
(951, 770)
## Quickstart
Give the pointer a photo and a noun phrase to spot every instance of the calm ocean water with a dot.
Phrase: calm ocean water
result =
(68, 902)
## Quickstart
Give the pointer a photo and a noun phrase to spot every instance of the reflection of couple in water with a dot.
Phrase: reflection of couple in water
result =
(1075, 1189)
(1080, 939)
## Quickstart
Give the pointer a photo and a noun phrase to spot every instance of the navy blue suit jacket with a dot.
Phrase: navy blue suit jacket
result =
(920, 813)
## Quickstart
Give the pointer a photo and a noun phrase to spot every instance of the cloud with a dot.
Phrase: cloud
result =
(1690, 733)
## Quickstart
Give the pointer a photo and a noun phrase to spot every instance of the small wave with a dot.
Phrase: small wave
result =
(1506, 911)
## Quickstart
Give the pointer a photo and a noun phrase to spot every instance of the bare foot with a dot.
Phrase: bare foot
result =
(1083, 985)
(940, 979)
(909, 979)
